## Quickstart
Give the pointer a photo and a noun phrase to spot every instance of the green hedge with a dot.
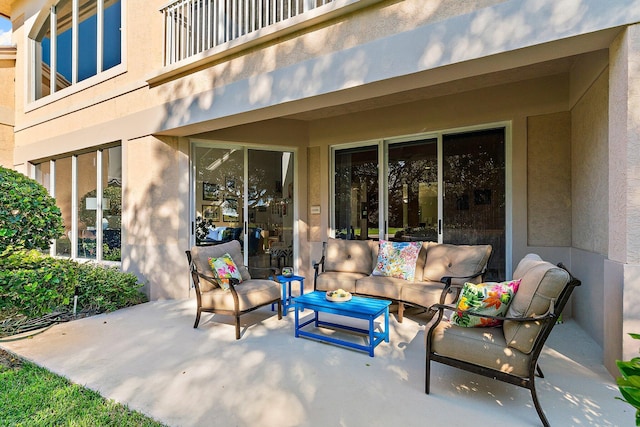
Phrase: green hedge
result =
(103, 288)
(34, 284)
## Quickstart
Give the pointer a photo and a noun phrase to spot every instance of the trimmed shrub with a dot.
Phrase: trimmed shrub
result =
(29, 217)
(102, 288)
(33, 284)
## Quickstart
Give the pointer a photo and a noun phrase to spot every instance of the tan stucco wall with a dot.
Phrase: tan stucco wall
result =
(7, 111)
(622, 275)
(589, 163)
(549, 180)
(156, 214)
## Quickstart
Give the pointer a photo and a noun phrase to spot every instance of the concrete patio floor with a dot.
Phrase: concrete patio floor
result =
(150, 358)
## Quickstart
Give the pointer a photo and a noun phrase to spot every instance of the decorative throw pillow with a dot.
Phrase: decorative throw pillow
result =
(397, 259)
(224, 268)
(484, 298)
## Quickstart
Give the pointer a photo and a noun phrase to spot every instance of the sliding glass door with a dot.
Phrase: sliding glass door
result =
(473, 199)
(247, 195)
(444, 187)
(412, 182)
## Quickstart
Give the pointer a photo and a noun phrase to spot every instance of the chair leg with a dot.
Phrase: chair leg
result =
(279, 310)
(536, 403)
(427, 375)
(540, 374)
(400, 311)
(237, 327)
(198, 312)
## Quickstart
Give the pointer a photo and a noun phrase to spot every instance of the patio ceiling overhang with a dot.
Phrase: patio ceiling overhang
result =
(536, 61)
(5, 8)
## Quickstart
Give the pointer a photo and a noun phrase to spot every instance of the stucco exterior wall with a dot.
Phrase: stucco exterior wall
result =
(156, 214)
(549, 180)
(7, 111)
(590, 160)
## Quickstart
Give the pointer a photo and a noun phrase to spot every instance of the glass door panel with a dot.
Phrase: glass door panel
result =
(219, 184)
(87, 205)
(356, 204)
(270, 201)
(412, 183)
(474, 193)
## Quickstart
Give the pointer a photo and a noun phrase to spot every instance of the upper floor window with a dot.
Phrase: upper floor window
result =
(78, 39)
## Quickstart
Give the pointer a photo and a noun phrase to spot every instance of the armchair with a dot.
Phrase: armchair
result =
(509, 352)
(242, 297)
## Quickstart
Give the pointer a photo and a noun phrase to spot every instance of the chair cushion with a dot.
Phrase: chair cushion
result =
(540, 282)
(481, 346)
(334, 280)
(201, 254)
(455, 260)
(352, 256)
(397, 259)
(224, 268)
(483, 298)
(251, 293)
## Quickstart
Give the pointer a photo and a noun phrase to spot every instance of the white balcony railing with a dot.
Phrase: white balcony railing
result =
(194, 26)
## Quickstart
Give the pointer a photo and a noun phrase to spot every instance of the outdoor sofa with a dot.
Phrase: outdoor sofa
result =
(354, 266)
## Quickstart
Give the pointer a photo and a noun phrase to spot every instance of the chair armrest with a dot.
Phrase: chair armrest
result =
(448, 279)
(550, 314)
(273, 272)
(216, 281)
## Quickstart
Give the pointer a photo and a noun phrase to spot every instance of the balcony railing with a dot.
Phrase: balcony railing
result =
(194, 26)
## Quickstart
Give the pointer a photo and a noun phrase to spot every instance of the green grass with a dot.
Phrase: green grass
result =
(33, 396)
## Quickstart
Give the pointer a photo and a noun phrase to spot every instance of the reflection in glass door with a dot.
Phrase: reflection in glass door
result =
(474, 193)
(252, 204)
(356, 204)
(218, 195)
(270, 201)
(412, 182)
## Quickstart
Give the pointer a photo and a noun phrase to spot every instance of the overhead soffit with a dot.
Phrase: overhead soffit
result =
(543, 69)
(5, 8)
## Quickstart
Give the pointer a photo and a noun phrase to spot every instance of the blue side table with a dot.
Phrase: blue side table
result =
(287, 284)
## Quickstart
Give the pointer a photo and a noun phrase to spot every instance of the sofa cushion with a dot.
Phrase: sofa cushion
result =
(380, 286)
(422, 260)
(201, 254)
(540, 282)
(424, 294)
(480, 346)
(483, 298)
(397, 259)
(334, 280)
(455, 260)
(352, 256)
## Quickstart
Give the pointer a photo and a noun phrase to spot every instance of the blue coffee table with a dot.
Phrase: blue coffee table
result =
(359, 308)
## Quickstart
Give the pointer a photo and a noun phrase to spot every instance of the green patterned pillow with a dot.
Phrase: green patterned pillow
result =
(484, 298)
(224, 268)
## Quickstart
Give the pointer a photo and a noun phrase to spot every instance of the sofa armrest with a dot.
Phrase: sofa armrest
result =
(319, 268)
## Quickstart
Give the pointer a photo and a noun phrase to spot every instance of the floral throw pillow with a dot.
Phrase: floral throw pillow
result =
(397, 259)
(224, 268)
(484, 298)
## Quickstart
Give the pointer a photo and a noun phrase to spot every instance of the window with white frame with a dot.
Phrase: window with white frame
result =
(92, 224)
(77, 40)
